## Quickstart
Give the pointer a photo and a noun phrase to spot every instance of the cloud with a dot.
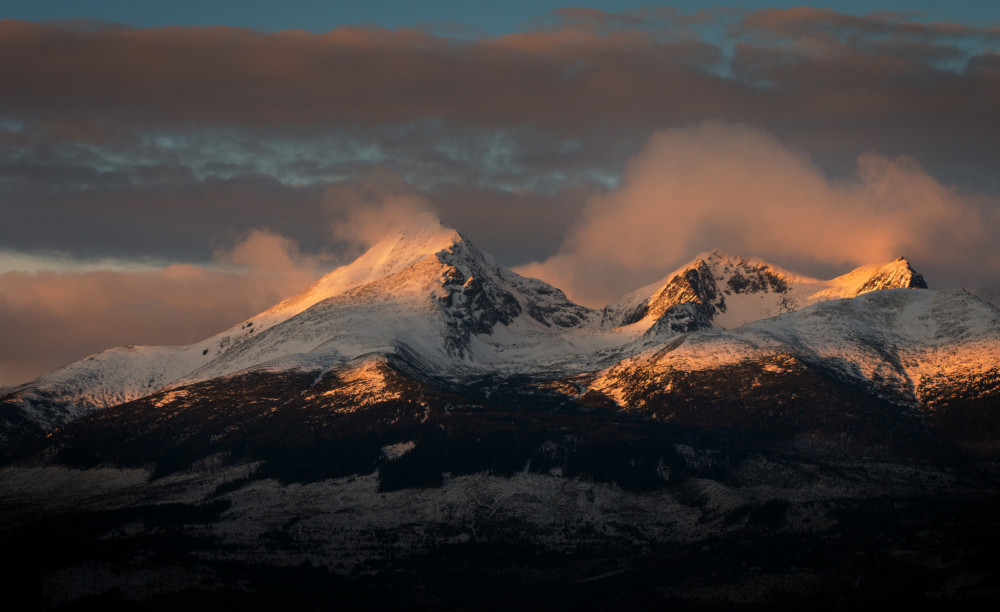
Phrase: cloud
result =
(163, 143)
(804, 21)
(365, 223)
(173, 221)
(51, 319)
(91, 105)
(831, 83)
(622, 73)
(730, 186)
(366, 209)
(515, 226)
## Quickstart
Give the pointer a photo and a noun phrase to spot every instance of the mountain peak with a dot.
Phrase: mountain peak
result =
(715, 255)
(424, 230)
(897, 274)
(421, 236)
(705, 281)
(427, 295)
(731, 290)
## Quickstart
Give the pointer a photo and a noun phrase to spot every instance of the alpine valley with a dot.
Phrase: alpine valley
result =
(425, 429)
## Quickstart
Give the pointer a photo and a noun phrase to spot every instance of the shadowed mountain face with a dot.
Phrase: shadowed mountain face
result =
(425, 429)
(381, 485)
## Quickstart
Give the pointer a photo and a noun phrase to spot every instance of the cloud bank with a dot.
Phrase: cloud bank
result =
(731, 186)
(52, 318)
(154, 142)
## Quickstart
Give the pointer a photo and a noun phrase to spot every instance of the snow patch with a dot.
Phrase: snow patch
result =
(395, 451)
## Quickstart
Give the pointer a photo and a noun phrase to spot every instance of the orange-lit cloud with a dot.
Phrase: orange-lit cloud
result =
(365, 223)
(51, 319)
(738, 188)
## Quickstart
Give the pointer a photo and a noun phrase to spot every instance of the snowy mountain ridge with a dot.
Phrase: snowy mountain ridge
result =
(427, 292)
(733, 291)
(903, 343)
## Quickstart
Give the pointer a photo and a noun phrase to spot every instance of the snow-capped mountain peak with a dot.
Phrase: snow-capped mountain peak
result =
(422, 236)
(427, 291)
(731, 291)
(715, 282)
(897, 274)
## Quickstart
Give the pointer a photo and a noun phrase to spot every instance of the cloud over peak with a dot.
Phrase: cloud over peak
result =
(737, 187)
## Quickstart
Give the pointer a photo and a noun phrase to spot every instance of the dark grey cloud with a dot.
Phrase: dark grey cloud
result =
(156, 142)
(171, 195)
(181, 221)
(834, 84)
(516, 226)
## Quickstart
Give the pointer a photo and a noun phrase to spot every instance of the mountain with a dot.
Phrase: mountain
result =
(429, 294)
(733, 291)
(425, 429)
(424, 290)
(916, 355)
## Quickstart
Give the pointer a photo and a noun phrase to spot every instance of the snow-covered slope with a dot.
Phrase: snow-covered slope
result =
(398, 251)
(899, 343)
(126, 373)
(105, 379)
(451, 305)
(425, 290)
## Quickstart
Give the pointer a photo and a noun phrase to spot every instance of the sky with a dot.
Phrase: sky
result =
(168, 169)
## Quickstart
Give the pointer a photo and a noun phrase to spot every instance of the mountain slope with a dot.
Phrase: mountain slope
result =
(425, 290)
(920, 351)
